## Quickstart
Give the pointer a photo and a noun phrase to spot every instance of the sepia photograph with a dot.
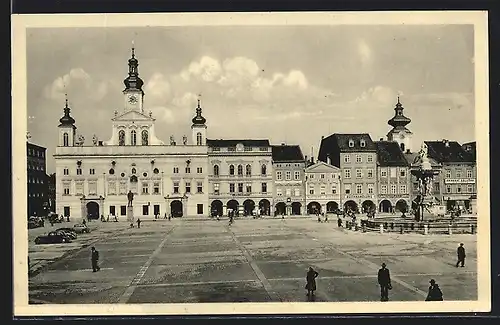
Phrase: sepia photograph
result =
(230, 163)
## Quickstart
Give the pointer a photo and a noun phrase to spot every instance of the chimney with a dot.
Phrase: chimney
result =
(305, 158)
(381, 139)
(312, 160)
(282, 143)
(408, 151)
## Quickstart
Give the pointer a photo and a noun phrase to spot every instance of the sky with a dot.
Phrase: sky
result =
(288, 84)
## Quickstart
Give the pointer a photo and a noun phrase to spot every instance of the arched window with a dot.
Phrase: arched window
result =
(231, 170)
(249, 170)
(133, 179)
(263, 170)
(121, 138)
(133, 138)
(216, 170)
(144, 137)
(65, 139)
(240, 170)
(199, 139)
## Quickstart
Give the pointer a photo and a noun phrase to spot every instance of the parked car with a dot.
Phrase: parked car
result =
(54, 218)
(52, 238)
(81, 228)
(35, 222)
(68, 231)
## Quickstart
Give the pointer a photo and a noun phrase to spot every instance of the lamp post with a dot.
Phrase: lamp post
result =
(340, 194)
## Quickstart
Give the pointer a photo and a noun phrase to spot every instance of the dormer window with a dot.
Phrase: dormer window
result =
(351, 143)
(362, 143)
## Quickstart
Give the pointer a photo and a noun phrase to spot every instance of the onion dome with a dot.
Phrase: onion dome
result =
(199, 119)
(67, 120)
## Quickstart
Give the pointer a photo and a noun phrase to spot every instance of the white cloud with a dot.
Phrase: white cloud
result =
(163, 115)
(158, 88)
(73, 82)
(206, 69)
(378, 96)
(187, 100)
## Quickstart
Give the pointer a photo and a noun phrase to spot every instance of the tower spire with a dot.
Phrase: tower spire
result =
(133, 81)
(199, 119)
(133, 49)
(66, 119)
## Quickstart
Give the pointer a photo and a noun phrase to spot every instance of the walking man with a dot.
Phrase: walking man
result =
(461, 255)
(138, 223)
(384, 280)
(435, 293)
(311, 281)
(95, 260)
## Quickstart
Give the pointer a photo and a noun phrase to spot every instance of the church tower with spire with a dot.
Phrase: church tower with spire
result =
(199, 128)
(399, 132)
(133, 93)
(67, 128)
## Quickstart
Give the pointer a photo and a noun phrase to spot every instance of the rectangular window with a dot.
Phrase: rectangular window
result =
(383, 172)
(370, 188)
(369, 158)
(288, 175)
(78, 171)
(358, 159)
(112, 210)
(448, 188)
(279, 192)
(383, 189)
(359, 173)
(402, 172)
(448, 173)
(458, 172)
(176, 170)
(469, 173)
(248, 148)
(123, 187)
(312, 176)
(323, 190)
(394, 189)
(145, 210)
(92, 188)
(92, 171)
(369, 173)
(249, 188)
(402, 189)
(65, 171)
(231, 188)
(123, 210)
(199, 187)
(156, 209)
(240, 187)
(296, 175)
(156, 188)
(288, 192)
(334, 188)
(436, 187)
(279, 175)
(199, 170)
(176, 187)
(216, 149)
(359, 189)
(347, 188)
(311, 189)
(188, 170)
(67, 211)
(199, 208)
(145, 188)
(188, 187)
(322, 176)
(459, 188)
(347, 173)
(470, 188)
(297, 192)
(347, 158)
(216, 188)
(79, 188)
(263, 149)
(393, 172)
(264, 187)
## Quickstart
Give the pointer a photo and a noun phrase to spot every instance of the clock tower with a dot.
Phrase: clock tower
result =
(133, 93)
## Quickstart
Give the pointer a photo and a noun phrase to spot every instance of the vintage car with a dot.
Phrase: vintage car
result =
(70, 232)
(35, 222)
(53, 237)
(81, 228)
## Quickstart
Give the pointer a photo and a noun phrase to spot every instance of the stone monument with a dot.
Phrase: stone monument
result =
(425, 177)
(130, 208)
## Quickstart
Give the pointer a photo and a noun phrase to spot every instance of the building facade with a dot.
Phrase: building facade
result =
(393, 178)
(458, 181)
(322, 185)
(356, 156)
(240, 176)
(93, 180)
(288, 179)
(37, 180)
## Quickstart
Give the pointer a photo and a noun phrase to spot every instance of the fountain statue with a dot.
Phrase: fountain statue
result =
(425, 177)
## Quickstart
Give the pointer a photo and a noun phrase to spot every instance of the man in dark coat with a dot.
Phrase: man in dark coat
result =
(138, 223)
(311, 281)
(435, 293)
(384, 280)
(95, 260)
(461, 255)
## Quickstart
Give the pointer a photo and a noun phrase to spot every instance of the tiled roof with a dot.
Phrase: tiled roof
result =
(342, 140)
(448, 152)
(390, 154)
(287, 153)
(232, 143)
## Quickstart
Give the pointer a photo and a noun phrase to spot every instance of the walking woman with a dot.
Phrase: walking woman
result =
(311, 281)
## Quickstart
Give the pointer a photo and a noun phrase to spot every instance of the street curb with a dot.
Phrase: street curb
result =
(69, 253)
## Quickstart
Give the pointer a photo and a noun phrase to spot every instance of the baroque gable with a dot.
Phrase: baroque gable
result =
(133, 116)
(321, 167)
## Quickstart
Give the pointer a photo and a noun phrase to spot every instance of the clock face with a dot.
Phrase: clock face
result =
(132, 99)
